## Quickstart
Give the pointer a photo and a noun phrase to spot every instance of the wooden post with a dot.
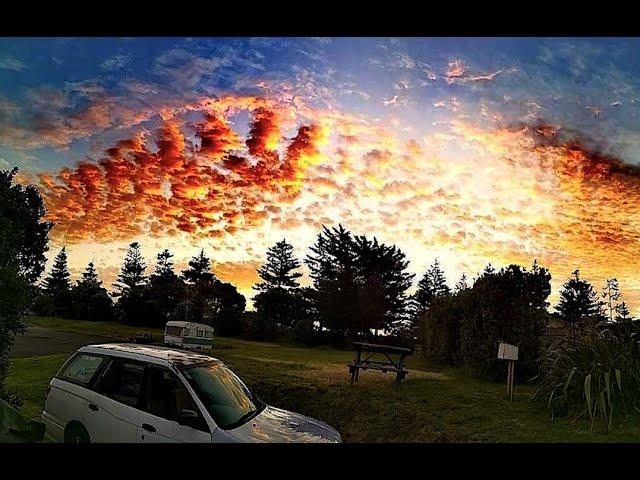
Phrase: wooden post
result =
(513, 376)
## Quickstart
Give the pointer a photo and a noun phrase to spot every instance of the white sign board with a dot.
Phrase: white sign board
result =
(507, 352)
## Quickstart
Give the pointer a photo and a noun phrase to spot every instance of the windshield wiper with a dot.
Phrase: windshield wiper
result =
(243, 419)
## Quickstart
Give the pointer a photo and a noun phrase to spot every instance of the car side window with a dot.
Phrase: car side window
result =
(166, 396)
(82, 368)
(121, 381)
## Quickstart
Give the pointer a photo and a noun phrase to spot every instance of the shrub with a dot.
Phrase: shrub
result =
(596, 376)
(305, 333)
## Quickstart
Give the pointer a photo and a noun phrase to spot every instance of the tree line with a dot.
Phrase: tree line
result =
(359, 287)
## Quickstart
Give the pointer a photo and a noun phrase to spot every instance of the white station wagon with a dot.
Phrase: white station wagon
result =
(146, 394)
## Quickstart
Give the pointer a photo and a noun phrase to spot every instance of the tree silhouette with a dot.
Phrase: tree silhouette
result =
(90, 299)
(23, 243)
(359, 284)
(165, 290)
(130, 285)
(433, 284)
(622, 313)
(279, 270)
(462, 283)
(578, 303)
(199, 270)
(280, 302)
(57, 285)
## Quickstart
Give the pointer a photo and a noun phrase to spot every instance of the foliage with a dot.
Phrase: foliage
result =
(280, 301)
(579, 303)
(280, 269)
(57, 285)
(358, 284)
(164, 291)
(509, 305)
(14, 428)
(130, 287)
(90, 300)
(597, 376)
(23, 243)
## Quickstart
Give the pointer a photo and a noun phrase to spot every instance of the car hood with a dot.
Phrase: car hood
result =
(277, 425)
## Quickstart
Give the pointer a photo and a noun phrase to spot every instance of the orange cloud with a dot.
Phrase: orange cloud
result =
(206, 190)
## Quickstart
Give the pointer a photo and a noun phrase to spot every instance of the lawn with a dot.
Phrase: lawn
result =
(432, 405)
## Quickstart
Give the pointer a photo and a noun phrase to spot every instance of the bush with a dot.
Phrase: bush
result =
(464, 329)
(305, 333)
(596, 376)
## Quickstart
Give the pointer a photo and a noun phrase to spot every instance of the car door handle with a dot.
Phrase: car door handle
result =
(93, 407)
(148, 428)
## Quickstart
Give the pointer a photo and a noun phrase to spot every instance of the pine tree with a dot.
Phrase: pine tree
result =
(622, 313)
(90, 276)
(164, 265)
(358, 284)
(59, 280)
(130, 286)
(610, 295)
(462, 283)
(279, 270)
(432, 285)
(90, 299)
(279, 302)
(578, 302)
(57, 285)
(132, 273)
(199, 270)
(165, 290)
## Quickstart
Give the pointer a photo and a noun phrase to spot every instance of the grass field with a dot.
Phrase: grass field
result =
(432, 405)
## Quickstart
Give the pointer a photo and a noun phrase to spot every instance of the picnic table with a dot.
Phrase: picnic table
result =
(379, 357)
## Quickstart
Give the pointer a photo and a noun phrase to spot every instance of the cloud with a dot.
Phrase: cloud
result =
(11, 63)
(205, 189)
(115, 62)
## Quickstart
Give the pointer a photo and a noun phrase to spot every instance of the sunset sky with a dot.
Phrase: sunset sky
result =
(468, 150)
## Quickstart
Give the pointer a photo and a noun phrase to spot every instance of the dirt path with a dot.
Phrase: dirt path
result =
(47, 341)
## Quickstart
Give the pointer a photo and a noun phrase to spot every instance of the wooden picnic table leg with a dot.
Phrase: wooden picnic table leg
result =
(353, 374)
(400, 374)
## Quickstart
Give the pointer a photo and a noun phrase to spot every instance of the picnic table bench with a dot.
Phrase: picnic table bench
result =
(383, 360)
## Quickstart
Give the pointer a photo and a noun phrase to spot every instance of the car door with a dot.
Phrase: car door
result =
(165, 395)
(115, 402)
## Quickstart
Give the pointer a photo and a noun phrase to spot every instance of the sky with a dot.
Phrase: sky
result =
(468, 150)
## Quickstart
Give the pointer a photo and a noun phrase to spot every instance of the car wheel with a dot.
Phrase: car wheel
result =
(76, 433)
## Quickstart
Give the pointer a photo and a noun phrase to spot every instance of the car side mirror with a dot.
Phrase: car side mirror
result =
(188, 418)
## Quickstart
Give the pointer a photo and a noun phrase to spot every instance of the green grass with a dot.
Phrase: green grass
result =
(432, 405)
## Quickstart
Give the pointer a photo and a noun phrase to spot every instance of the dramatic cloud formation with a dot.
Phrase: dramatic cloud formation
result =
(204, 189)
(469, 150)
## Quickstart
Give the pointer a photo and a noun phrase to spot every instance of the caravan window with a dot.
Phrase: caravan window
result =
(208, 334)
(199, 333)
(175, 331)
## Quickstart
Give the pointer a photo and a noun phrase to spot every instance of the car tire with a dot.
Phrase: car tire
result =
(76, 433)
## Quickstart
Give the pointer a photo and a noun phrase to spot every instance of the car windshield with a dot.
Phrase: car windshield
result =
(223, 394)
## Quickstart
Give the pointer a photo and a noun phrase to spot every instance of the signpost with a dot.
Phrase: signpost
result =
(510, 353)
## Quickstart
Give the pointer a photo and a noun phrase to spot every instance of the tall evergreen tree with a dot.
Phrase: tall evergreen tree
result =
(130, 285)
(90, 299)
(622, 313)
(279, 302)
(359, 284)
(610, 295)
(279, 270)
(199, 269)
(578, 302)
(432, 285)
(462, 283)
(165, 290)
(57, 285)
